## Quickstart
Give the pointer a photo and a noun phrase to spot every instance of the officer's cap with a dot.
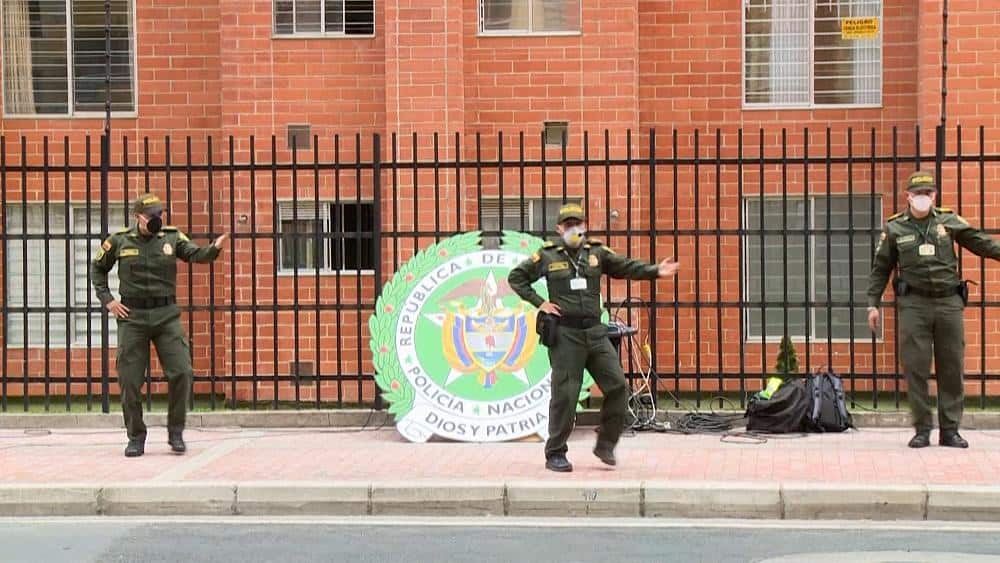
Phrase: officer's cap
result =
(571, 211)
(147, 203)
(921, 180)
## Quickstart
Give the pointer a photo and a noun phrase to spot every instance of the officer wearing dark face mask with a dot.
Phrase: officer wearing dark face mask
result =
(147, 312)
(573, 270)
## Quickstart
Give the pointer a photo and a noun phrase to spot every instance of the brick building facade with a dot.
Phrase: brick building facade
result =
(199, 72)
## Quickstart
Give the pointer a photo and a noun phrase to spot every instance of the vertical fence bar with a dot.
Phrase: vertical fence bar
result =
(982, 268)
(500, 186)
(697, 266)
(46, 267)
(741, 235)
(68, 265)
(850, 253)
(895, 300)
(189, 188)
(275, 257)
(338, 240)
(377, 231)
(676, 300)
(211, 274)
(24, 272)
(88, 172)
(807, 215)
(232, 273)
(784, 243)
(763, 267)
(358, 309)
(718, 264)
(297, 375)
(628, 233)
(3, 272)
(253, 272)
(828, 162)
(317, 253)
(520, 184)
(651, 308)
(395, 202)
(458, 182)
(873, 224)
(437, 193)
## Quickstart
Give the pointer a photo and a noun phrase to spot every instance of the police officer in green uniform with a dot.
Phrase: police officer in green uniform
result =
(573, 272)
(931, 297)
(147, 312)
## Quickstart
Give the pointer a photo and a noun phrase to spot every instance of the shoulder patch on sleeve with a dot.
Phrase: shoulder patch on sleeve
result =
(944, 210)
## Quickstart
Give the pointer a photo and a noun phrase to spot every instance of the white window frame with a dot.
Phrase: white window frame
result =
(71, 100)
(812, 68)
(328, 242)
(322, 25)
(745, 286)
(483, 32)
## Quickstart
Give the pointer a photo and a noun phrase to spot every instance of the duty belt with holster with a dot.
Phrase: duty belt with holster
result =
(147, 302)
(962, 290)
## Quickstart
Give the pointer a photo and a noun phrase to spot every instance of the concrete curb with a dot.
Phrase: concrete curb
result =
(369, 418)
(625, 499)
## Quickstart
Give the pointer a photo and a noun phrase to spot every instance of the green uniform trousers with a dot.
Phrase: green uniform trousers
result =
(162, 327)
(575, 350)
(933, 325)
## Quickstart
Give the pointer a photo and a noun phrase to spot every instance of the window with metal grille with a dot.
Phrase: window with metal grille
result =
(802, 53)
(329, 237)
(529, 16)
(826, 267)
(324, 17)
(530, 215)
(53, 57)
(53, 272)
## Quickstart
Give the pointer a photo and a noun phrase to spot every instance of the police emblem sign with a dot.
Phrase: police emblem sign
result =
(454, 348)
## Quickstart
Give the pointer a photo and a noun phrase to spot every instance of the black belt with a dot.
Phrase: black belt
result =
(148, 302)
(579, 322)
(957, 290)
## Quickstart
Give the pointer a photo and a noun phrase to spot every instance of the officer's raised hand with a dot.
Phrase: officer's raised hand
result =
(220, 241)
(117, 309)
(668, 268)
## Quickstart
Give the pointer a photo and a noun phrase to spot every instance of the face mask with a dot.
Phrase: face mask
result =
(921, 203)
(154, 224)
(574, 236)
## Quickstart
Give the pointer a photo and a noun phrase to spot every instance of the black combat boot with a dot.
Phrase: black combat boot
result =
(558, 462)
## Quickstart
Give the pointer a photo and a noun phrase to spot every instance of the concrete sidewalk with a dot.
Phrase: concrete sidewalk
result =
(866, 474)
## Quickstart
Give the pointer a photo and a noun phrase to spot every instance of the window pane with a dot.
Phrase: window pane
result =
(358, 222)
(284, 18)
(334, 16)
(847, 71)
(776, 51)
(35, 278)
(83, 252)
(359, 17)
(555, 15)
(848, 258)
(34, 57)
(89, 56)
(299, 248)
(775, 267)
(505, 15)
(307, 16)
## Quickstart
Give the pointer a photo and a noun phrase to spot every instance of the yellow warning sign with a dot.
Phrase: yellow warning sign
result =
(859, 28)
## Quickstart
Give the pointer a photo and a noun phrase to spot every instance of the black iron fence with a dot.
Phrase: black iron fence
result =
(775, 232)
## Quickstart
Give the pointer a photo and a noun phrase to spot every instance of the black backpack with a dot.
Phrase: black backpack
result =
(786, 411)
(828, 412)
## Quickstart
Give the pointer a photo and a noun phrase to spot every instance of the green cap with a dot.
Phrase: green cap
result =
(147, 203)
(571, 211)
(921, 180)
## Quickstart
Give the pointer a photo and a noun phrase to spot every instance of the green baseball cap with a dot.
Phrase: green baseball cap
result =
(571, 211)
(147, 203)
(921, 180)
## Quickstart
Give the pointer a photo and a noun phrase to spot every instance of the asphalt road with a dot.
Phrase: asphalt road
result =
(248, 540)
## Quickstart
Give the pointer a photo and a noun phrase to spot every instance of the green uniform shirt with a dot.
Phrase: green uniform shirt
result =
(561, 265)
(147, 266)
(936, 267)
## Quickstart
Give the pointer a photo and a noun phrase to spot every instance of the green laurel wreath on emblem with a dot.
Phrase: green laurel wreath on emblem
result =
(396, 389)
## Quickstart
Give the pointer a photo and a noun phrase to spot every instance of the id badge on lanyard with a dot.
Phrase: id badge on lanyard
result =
(577, 283)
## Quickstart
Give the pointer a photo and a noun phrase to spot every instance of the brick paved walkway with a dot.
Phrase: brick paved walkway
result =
(863, 457)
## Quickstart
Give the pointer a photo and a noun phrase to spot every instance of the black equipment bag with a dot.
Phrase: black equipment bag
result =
(828, 412)
(786, 411)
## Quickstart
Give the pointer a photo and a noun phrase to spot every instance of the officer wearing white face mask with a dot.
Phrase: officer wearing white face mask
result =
(573, 273)
(931, 296)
